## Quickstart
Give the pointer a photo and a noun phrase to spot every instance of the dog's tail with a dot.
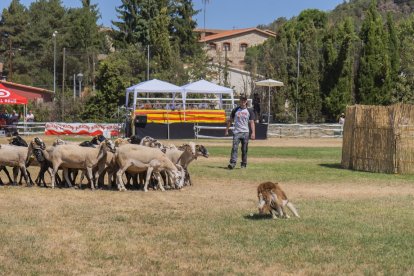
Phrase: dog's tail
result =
(293, 209)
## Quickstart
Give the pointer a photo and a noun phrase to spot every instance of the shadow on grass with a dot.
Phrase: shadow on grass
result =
(221, 167)
(332, 166)
(257, 216)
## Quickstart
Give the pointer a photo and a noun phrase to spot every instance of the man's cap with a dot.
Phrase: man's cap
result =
(243, 98)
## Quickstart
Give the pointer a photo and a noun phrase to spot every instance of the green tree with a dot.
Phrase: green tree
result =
(310, 25)
(404, 92)
(182, 28)
(13, 24)
(374, 75)
(338, 83)
(119, 71)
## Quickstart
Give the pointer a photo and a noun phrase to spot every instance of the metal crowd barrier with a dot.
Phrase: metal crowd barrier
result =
(31, 128)
(305, 130)
(287, 130)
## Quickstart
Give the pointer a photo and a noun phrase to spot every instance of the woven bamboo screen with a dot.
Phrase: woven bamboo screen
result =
(379, 138)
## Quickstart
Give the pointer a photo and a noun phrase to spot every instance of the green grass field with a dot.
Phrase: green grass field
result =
(351, 222)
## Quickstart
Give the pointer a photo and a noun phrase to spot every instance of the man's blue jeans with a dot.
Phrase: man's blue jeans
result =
(244, 139)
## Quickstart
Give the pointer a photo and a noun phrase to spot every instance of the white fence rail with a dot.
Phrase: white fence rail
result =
(274, 130)
(286, 130)
(22, 128)
(305, 130)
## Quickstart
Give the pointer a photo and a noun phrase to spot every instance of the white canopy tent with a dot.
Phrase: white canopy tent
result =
(151, 86)
(269, 83)
(206, 87)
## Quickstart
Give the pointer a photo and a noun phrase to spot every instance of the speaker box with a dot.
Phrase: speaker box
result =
(140, 121)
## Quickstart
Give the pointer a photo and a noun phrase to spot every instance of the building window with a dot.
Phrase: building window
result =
(243, 47)
(226, 46)
(212, 46)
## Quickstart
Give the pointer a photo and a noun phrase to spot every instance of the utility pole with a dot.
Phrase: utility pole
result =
(10, 60)
(93, 72)
(204, 12)
(54, 61)
(297, 83)
(148, 61)
(63, 84)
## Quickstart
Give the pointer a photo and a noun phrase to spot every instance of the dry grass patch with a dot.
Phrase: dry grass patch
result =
(206, 228)
(352, 223)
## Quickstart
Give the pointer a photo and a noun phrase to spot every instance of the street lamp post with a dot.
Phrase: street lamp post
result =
(80, 77)
(54, 61)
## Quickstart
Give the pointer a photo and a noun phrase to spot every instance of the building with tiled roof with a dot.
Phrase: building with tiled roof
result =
(232, 44)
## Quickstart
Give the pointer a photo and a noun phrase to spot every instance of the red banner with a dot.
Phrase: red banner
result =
(90, 129)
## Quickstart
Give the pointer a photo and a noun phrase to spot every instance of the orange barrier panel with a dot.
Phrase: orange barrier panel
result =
(178, 116)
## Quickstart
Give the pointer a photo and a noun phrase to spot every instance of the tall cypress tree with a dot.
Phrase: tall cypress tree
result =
(404, 92)
(310, 25)
(394, 54)
(374, 75)
(338, 81)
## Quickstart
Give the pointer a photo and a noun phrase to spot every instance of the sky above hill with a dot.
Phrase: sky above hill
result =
(220, 14)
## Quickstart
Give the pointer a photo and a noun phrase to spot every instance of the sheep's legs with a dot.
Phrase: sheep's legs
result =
(160, 180)
(23, 171)
(89, 176)
(149, 172)
(119, 181)
(54, 172)
(66, 176)
(7, 173)
(15, 173)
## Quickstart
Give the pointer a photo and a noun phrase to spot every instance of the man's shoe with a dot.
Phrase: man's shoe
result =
(230, 166)
(243, 167)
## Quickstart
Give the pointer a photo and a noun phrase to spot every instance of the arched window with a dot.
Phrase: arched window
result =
(212, 46)
(243, 47)
(227, 46)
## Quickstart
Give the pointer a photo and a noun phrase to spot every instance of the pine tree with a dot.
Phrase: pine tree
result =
(13, 25)
(182, 27)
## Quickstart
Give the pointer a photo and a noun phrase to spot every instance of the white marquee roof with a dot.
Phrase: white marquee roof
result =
(155, 86)
(204, 87)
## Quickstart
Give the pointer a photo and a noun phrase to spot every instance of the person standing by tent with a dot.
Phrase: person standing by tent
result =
(342, 119)
(14, 120)
(242, 117)
(30, 117)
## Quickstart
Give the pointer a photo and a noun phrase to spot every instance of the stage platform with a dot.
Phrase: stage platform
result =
(187, 130)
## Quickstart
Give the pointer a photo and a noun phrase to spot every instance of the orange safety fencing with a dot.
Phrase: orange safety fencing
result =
(183, 116)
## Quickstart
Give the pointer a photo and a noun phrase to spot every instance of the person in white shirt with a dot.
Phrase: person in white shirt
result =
(30, 117)
(342, 119)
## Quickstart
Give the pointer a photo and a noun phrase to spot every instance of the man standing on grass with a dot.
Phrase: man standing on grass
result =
(241, 116)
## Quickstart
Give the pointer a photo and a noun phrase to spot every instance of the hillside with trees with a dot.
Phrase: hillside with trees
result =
(360, 53)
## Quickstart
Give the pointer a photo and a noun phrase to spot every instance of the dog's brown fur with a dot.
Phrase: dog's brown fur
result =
(272, 199)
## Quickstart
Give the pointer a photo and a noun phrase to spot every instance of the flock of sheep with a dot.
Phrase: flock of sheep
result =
(143, 161)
